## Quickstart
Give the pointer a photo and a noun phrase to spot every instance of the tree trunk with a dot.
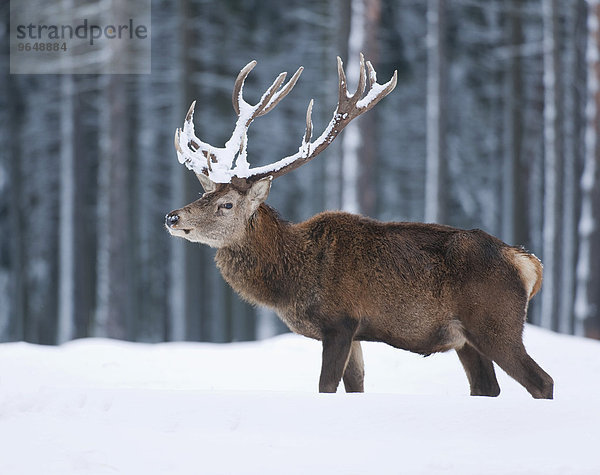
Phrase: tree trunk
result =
(435, 168)
(514, 217)
(332, 183)
(587, 296)
(352, 137)
(575, 16)
(13, 243)
(359, 141)
(176, 327)
(553, 149)
(369, 158)
(115, 316)
(66, 286)
(114, 260)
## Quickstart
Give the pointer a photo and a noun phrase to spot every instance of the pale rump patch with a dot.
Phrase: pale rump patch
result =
(529, 267)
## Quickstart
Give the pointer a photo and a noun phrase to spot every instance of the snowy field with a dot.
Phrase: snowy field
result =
(100, 406)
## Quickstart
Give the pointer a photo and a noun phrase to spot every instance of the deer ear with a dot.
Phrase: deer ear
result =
(208, 185)
(259, 191)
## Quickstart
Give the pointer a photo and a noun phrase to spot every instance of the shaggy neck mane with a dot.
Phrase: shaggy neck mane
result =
(259, 266)
(265, 218)
(269, 235)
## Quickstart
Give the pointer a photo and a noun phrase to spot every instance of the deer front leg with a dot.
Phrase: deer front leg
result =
(354, 375)
(337, 345)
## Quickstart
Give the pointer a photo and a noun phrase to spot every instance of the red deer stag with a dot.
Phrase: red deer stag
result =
(342, 278)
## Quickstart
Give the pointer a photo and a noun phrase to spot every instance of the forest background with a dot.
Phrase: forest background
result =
(493, 124)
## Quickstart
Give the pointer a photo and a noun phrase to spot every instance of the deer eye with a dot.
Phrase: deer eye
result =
(226, 205)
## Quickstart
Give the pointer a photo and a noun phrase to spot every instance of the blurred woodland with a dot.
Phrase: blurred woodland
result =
(493, 124)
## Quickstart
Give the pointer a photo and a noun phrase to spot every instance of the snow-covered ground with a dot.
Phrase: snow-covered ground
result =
(101, 406)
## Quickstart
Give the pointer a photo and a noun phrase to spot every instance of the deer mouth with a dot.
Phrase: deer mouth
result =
(175, 231)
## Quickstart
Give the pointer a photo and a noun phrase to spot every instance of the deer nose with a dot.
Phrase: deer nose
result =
(171, 219)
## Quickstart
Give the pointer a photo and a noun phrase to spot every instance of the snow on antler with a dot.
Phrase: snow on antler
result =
(218, 163)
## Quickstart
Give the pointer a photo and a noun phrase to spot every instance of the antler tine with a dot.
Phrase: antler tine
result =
(266, 98)
(239, 84)
(362, 81)
(269, 99)
(388, 87)
(343, 83)
(176, 140)
(372, 75)
(308, 132)
(190, 113)
(188, 126)
(218, 162)
(284, 91)
(349, 107)
(344, 96)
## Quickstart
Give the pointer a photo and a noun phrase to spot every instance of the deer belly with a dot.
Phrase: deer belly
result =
(417, 333)
(300, 324)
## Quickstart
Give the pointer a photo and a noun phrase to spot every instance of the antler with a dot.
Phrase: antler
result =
(217, 163)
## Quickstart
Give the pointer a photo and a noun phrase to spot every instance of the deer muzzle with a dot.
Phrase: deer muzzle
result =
(171, 219)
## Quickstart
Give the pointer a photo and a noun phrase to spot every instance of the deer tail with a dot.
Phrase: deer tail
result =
(530, 269)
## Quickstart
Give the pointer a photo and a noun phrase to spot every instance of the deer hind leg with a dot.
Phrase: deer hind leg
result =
(504, 346)
(354, 374)
(520, 366)
(480, 372)
(337, 347)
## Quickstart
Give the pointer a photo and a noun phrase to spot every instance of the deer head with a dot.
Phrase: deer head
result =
(233, 190)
